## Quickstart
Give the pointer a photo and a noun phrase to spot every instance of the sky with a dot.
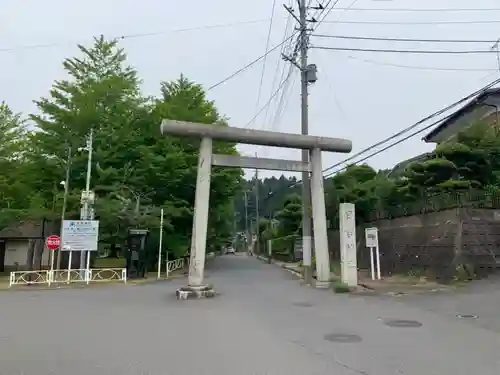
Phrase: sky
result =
(364, 101)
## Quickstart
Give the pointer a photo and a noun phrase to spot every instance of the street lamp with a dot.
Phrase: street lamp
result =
(65, 200)
(87, 198)
(496, 47)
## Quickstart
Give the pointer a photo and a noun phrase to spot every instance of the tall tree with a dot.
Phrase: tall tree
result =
(176, 170)
(101, 93)
(14, 195)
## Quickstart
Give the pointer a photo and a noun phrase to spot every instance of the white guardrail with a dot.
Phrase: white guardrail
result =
(174, 265)
(80, 275)
(67, 276)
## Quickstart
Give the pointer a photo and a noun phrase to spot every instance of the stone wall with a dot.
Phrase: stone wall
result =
(434, 243)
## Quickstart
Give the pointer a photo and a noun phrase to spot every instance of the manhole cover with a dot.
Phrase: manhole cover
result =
(467, 316)
(303, 304)
(397, 323)
(342, 338)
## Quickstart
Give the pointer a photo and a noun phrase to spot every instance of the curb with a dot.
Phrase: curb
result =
(294, 272)
(273, 261)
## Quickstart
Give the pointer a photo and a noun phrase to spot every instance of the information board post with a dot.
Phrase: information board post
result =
(371, 239)
(160, 246)
(70, 260)
(82, 236)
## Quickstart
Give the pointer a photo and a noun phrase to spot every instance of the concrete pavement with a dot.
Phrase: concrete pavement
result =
(263, 322)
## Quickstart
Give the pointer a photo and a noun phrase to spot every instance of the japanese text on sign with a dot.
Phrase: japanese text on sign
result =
(80, 235)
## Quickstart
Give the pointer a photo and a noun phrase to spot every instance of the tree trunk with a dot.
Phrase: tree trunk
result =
(38, 254)
(3, 244)
(30, 254)
(113, 251)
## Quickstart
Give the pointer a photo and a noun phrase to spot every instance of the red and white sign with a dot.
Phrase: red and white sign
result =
(53, 242)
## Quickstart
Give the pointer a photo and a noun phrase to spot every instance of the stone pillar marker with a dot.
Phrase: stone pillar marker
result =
(348, 255)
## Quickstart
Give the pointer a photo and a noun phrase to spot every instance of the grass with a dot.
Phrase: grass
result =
(340, 287)
(110, 263)
(335, 267)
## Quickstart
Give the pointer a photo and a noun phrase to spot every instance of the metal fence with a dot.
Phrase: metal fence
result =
(94, 275)
(171, 266)
(67, 276)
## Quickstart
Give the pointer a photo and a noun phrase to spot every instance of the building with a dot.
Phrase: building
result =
(483, 108)
(14, 244)
(400, 168)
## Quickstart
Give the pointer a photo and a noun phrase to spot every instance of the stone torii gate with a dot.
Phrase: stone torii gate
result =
(196, 287)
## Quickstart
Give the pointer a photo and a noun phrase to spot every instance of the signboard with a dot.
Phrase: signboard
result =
(80, 235)
(53, 242)
(371, 237)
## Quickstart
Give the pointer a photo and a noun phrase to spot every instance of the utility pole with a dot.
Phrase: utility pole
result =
(307, 75)
(247, 229)
(257, 224)
(86, 212)
(65, 202)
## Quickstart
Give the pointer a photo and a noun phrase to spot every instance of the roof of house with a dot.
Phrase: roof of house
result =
(466, 109)
(399, 168)
(27, 230)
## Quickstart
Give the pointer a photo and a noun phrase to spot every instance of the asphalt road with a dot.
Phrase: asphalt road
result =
(263, 322)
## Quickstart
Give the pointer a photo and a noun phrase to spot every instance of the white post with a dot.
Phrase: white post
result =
(378, 262)
(51, 272)
(200, 221)
(161, 244)
(69, 265)
(168, 272)
(372, 264)
(87, 269)
(86, 209)
(319, 221)
(348, 244)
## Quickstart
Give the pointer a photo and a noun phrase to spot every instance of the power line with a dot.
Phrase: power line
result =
(332, 8)
(411, 135)
(138, 35)
(411, 127)
(250, 63)
(280, 108)
(382, 50)
(415, 22)
(417, 67)
(276, 72)
(278, 64)
(276, 92)
(402, 132)
(325, 11)
(420, 10)
(259, 93)
(355, 37)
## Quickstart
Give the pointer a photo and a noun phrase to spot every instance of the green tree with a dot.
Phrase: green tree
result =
(290, 217)
(12, 133)
(176, 169)
(101, 93)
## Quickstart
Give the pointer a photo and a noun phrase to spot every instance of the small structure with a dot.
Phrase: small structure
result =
(207, 133)
(15, 241)
(484, 107)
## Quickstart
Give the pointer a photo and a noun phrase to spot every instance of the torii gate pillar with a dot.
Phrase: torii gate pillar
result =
(196, 287)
